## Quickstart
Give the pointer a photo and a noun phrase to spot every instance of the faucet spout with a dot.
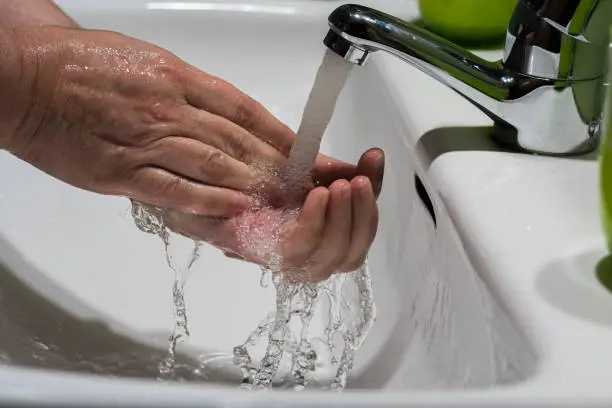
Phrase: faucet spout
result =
(534, 113)
(371, 30)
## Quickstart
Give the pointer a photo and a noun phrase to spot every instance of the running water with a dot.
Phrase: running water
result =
(295, 348)
(329, 82)
(302, 350)
(150, 220)
(299, 301)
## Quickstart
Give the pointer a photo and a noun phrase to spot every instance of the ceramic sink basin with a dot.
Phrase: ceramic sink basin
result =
(79, 280)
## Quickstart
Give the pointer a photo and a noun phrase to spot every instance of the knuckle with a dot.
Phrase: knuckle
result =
(214, 163)
(165, 64)
(247, 112)
(152, 111)
(171, 185)
(172, 73)
(113, 167)
(237, 145)
(156, 133)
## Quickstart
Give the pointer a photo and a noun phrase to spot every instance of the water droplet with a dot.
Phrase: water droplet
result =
(264, 281)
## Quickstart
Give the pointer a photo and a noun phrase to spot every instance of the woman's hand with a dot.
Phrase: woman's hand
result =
(115, 115)
(332, 233)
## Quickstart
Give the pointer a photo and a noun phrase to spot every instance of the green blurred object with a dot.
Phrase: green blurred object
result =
(603, 271)
(468, 21)
(605, 159)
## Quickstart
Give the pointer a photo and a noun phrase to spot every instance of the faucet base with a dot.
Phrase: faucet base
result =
(506, 136)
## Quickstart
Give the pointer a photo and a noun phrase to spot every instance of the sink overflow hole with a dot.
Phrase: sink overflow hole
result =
(422, 192)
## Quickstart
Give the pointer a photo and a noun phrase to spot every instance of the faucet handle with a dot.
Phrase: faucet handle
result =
(548, 38)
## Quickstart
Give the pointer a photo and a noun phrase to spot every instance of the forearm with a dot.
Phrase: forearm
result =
(33, 12)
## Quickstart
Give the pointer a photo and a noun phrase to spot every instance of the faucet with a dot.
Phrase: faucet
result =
(544, 96)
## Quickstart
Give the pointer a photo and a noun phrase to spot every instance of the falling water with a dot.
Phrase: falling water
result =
(329, 82)
(150, 220)
(291, 340)
(288, 329)
(300, 300)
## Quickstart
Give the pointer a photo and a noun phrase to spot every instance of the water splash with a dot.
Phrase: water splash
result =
(150, 220)
(266, 276)
(304, 298)
(355, 336)
(348, 324)
(295, 350)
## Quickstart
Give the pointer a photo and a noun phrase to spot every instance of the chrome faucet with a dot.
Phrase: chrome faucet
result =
(546, 94)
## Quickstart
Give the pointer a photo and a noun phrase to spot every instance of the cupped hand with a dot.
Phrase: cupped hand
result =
(115, 115)
(332, 232)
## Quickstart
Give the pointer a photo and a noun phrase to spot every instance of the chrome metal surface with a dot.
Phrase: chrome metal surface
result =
(345, 48)
(545, 95)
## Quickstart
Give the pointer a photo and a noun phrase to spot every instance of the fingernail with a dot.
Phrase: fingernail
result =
(362, 184)
(345, 188)
(360, 180)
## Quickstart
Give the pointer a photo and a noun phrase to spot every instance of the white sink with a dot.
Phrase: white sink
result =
(468, 304)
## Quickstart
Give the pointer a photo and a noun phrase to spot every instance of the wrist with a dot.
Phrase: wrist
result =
(24, 84)
(12, 106)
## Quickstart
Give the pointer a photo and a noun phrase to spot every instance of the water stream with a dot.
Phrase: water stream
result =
(296, 353)
(329, 82)
(150, 220)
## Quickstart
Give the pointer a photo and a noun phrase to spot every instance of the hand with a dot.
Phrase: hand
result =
(115, 115)
(332, 232)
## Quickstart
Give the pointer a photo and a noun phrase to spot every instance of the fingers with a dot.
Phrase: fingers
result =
(194, 226)
(223, 99)
(334, 245)
(300, 240)
(332, 233)
(219, 232)
(159, 187)
(372, 165)
(351, 224)
(326, 170)
(220, 98)
(228, 137)
(352, 215)
(365, 223)
(201, 163)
